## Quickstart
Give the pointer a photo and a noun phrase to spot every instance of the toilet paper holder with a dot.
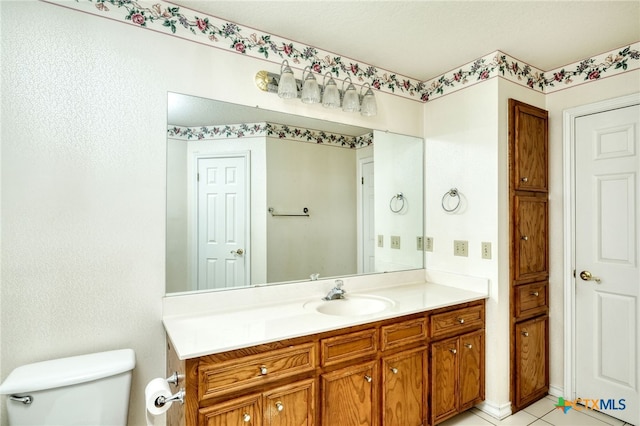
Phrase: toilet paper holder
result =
(178, 396)
(174, 379)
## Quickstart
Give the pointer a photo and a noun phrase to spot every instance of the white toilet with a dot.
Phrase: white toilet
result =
(88, 389)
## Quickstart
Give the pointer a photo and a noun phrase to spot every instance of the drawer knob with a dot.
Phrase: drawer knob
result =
(368, 378)
(461, 320)
(453, 351)
(525, 333)
(394, 370)
(279, 406)
(468, 345)
(263, 370)
(524, 238)
(534, 293)
(246, 418)
(525, 179)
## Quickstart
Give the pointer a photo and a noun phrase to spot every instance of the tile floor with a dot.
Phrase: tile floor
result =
(541, 413)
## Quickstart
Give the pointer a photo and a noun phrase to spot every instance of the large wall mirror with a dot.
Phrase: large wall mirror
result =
(259, 197)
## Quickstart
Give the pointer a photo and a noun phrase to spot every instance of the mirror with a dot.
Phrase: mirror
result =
(259, 197)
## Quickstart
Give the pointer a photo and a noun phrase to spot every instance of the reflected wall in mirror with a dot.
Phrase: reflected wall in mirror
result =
(258, 197)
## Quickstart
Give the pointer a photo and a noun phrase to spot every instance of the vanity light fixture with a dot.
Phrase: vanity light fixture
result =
(350, 99)
(287, 86)
(309, 92)
(310, 89)
(330, 94)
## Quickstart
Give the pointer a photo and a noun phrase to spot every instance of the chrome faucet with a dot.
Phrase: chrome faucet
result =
(336, 293)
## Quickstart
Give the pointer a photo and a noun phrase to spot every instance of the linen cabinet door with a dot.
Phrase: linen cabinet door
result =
(349, 396)
(404, 394)
(471, 369)
(290, 405)
(444, 381)
(237, 412)
(529, 126)
(532, 359)
(531, 259)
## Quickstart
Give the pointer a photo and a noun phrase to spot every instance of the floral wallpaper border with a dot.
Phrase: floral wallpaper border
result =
(280, 131)
(167, 18)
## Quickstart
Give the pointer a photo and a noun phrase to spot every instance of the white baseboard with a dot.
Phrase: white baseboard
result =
(556, 391)
(499, 411)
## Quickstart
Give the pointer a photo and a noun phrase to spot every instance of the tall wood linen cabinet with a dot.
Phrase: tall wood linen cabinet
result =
(529, 253)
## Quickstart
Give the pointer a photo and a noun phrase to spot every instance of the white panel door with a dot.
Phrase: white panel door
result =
(606, 256)
(368, 219)
(222, 215)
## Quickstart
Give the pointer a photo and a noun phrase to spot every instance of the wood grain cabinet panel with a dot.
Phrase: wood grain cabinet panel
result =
(334, 350)
(529, 128)
(457, 321)
(530, 239)
(290, 405)
(444, 383)
(471, 369)
(405, 384)
(241, 411)
(350, 396)
(403, 333)
(532, 374)
(529, 254)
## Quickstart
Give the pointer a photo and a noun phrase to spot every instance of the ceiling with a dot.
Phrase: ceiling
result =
(425, 39)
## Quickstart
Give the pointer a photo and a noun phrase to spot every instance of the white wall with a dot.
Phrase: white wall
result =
(84, 104)
(321, 178)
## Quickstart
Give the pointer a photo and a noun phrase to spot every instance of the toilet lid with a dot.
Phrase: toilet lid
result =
(67, 371)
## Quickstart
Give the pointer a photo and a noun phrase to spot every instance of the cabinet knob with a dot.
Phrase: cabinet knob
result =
(525, 333)
(394, 370)
(246, 418)
(468, 345)
(279, 406)
(534, 293)
(368, 378)
(524, 179)
(453, 351)
(263, 370)
(524, 238)
(461, 320)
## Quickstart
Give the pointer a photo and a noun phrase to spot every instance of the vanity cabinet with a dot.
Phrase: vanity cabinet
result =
(457, 362)
(376, 374)
(529, 256)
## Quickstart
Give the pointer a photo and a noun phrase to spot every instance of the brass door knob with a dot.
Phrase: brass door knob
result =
(587, 276)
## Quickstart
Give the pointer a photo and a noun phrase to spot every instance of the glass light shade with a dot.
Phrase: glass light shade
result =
(350, 100)
(287, 87)
(331, 94)
(369, 108)
(310, 88)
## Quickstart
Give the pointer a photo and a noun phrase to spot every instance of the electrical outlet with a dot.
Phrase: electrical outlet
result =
(428, 244)
(419, 243)
(460, 248)
(486, 250)
(380, 240)
(395, 242)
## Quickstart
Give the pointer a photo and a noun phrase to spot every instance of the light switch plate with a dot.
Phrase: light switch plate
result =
(395, 242)
(486, 250)
(461, 248)
(419, 243)
(380, 240)
(428, 243)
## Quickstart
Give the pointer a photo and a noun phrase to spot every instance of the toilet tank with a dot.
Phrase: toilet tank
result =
(88, 389)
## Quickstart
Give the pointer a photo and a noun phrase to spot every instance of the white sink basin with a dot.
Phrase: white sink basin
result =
(351, 305)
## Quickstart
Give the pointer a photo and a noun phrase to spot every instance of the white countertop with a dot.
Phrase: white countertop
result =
(218, 330)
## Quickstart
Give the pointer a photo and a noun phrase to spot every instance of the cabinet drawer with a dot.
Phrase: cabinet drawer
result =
(334, 350)
(457, 321)
(220, 378)
(403, 333)
(531, 299)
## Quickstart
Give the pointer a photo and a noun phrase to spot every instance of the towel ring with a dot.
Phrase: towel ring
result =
(453, 193)
(398, 197)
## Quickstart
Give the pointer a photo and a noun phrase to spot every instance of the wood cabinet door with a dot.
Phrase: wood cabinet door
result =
(444, 381)
(528, 134)
(404, 394)
(290, 405)
(349, 396)
(530, 236)
(531, 358)
(244, 411)
(471, 371)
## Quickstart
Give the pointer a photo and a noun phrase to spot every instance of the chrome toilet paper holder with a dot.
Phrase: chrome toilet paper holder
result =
(178, 396)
